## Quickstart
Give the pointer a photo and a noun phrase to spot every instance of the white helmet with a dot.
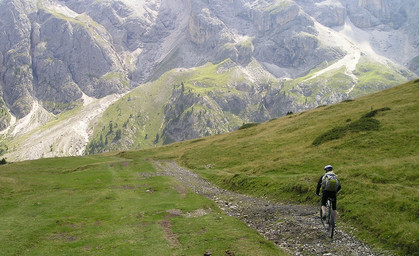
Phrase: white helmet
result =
(328, 168)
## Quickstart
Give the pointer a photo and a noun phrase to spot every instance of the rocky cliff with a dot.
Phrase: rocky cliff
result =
(55, 55)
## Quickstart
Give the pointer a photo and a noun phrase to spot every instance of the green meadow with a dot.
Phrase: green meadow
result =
(118, 204)
(372, 141)
(112, 205)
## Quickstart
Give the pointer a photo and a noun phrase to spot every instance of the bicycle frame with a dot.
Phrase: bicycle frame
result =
(330, 218)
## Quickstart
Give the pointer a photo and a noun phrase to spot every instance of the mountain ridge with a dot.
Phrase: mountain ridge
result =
(55, 53)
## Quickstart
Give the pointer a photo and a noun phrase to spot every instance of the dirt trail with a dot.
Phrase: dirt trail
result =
(295, 228)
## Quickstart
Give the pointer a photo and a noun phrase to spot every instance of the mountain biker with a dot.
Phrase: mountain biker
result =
(327, 194)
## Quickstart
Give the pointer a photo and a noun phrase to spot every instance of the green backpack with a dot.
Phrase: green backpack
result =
(330, 182)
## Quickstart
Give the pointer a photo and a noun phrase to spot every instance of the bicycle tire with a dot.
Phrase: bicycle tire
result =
(331, 222)
(331, 227)
(328, 211)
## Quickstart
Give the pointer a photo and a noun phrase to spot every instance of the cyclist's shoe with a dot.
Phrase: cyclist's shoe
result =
(324, 216)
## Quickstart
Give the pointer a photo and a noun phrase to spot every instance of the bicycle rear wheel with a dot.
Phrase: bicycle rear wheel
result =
(331, 228)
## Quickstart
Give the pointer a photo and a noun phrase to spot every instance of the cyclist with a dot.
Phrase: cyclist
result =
(327, 193)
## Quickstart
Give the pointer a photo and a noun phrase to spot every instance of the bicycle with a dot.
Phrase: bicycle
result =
(330, 218)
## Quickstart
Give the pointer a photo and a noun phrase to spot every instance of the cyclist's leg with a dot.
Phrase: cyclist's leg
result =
(334, 203)
(324, 200)
(324, 210)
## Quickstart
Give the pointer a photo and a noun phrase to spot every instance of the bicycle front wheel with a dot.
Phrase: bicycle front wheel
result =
(331, 225)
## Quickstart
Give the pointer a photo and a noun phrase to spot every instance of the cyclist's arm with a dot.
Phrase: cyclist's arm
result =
(319, 184)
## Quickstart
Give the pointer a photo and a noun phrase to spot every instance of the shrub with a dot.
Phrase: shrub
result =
(333, 134)
(248, 125)
(348, 100)
(374, 112)
(3, 161)
(365, 123)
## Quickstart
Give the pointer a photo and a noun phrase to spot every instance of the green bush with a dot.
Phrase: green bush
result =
(365, 123)
(374, 112)
(333, 134)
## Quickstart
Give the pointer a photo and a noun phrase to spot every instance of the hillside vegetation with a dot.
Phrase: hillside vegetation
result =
(373, 143)
(116, 203)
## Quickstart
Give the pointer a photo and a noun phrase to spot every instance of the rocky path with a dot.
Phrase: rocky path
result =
(295, 228)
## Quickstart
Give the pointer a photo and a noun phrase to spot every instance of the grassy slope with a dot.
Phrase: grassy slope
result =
(100, 204)
(378, 168)
(111, 205)
(138, 116)
(372, 77)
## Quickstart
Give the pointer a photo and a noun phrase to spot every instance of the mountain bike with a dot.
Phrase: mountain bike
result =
(330, 218)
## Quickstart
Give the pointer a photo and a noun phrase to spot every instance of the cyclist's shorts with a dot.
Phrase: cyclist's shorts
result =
(327, 194)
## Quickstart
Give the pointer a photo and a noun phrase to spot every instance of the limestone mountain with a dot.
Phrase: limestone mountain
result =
(190, 67)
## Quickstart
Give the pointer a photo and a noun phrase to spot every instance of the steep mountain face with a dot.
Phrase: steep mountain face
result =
(282, 56)
(190, 103)
(392, 25)
(54, 55)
